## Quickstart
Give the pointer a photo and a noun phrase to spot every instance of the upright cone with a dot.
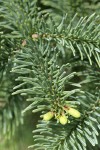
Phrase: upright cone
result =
(48, 116)
(73, 112)
(63, 119)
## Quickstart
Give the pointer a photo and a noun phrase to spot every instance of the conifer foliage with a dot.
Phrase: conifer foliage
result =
(51, 60)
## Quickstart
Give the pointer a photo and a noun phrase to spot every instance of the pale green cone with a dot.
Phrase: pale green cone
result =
(63, 119)
(48, 116)
(73, 112)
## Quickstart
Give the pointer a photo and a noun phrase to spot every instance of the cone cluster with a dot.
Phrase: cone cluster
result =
(63, 117)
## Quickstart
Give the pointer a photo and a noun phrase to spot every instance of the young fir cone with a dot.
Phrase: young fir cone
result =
(73, 112)
(48, 116)
(63, 119)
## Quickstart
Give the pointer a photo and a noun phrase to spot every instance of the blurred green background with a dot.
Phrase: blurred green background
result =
(22, 137)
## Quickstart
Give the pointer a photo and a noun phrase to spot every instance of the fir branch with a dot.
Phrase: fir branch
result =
(71, 136)
(48, 73)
